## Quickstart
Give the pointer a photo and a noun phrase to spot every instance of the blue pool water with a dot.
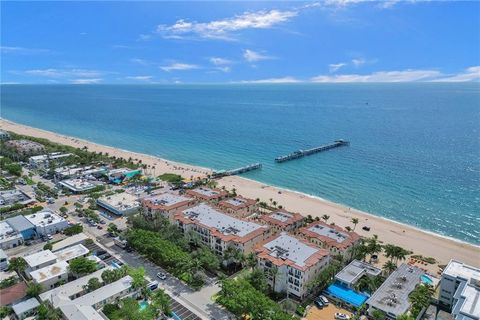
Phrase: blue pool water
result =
(413, 157)
(426, 279)
(143, 305)
(346, 294)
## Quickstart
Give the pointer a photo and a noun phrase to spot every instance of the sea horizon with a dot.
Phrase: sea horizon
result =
(331, 164)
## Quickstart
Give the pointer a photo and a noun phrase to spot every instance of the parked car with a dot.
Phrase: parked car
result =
(49, 237)
(99, 227)
(319, 303)
(104, 256)
(100, 252)
(324, 299)
(366, 228)
(341, 316)
(161, 276)
(152, 285)
(102, 222)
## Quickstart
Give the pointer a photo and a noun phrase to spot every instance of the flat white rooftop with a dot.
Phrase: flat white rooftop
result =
(24, 306)
(237, 202)
(224, 223)
(281, 216)
(77, 312)
(167, 199)
(288, 247)
(329, 232)
(352, 272)
(7, 233)
(469, 301)
(50, 156)
(72, 252)
(457, 269)
(206, 191)
(49, 272)
(78, 184)
(120, 201)
(44, 218)
(68, 242)
(104, 292)
(39, 258)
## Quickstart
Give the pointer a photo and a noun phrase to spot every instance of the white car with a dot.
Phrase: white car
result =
(341, 316)
(161, 276)
(49, 237)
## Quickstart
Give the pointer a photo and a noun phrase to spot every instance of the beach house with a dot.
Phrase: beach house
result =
(290, 263)
(238, 206)
(283, 220)
(207, 194)
(331, 237)
(219, 230)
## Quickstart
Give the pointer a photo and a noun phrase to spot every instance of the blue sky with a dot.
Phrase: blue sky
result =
(224, 42)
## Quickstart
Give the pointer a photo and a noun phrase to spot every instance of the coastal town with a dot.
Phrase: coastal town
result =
(89, 235)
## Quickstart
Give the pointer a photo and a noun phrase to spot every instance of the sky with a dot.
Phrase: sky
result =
(239, 42)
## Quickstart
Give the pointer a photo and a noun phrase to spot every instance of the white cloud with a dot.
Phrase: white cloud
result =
(141, 62)
(61, 73)
(253, 56)
(225, 28)
(333, 67)
(220, 61)
(470, 74)
(85, 81)
(382, 76)
(359, 62)
(177, 66)
(140, 78)
(22, 50)
(273, 80)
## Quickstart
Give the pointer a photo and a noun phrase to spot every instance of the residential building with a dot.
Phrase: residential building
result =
(392, 296)
(43, 161)
(13, 294)
(47, 222)
(291, 263)
(25, 309)
(354, 271)
(39, 260)
(3, 260)
(22, 226)
(50, 275)
(219, 230)
(283, 220)
(460, 290)
(9, 238)
(207, 194)
(331, 237)
(166, 204)
(238, 206)
(4, 135)
(69, 253)
(10, 197)
(25, 147)
(121, 175)
(79, 185)
(119, 204)
(70, 241)
(72, 172)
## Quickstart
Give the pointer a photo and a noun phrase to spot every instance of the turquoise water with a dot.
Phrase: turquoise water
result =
(426, 279)
(143, 305)
(414, 153)
(346, 294)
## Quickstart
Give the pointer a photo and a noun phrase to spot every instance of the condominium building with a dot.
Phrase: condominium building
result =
(43, 161)
(219, 230)
(79, 172)
(238, 206)
(119, 204)
(166, 204)
(25, 147)
(392, 296)
(291, 263)
(207, 194)
(283, 220)
(460, 290)
(331, 237)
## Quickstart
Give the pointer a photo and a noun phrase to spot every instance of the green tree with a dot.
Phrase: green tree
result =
(378, 315)
(17, 264)
(82, 266)
(63, 210)
(112, 228)
(325, 217)
(74, 229)
(162, 302)
(405, 317)
(251, 260)
(258, 280)
(5, 311)
(389, 267)
(46, 312)
(355, 222)
(48, 246)
(138, 276)
(420, 298)
(33, 289)
(93, 284)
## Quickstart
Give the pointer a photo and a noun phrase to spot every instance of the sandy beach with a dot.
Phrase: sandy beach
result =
(416, 240)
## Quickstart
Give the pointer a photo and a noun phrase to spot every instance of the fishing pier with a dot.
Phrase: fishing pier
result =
(224, 173)
(302, 153)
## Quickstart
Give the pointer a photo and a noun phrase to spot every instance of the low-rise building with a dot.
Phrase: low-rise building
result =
(331, 237)
(79, 185)
(39, 260)
(238, 206)
(43, 161)
(219, 230)
(283, 220)
(23, 226)
(13, 294)
(69, 242)
(47, 222)
(26, 308)
(207, 194)
(297, 263)
(69, 253)
(3, 260)
(354, 271)
(121, 175)
(460, 290)
(25, 147)
(119, 204)
(72, 172)
(392, 296)
(9, 238)
(50, 275)
(10, 197)
(4, 135)
(166, 204)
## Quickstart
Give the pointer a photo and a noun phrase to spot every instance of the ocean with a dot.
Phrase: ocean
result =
(414, 155)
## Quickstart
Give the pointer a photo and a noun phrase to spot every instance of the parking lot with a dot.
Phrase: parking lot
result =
(182, 311)
(326, 313)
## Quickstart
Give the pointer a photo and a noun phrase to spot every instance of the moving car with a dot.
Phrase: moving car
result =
(161, 276)
(341, 316)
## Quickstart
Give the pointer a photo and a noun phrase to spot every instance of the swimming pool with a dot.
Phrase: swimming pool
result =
(346, 294)
(143, 305)
(426, 279)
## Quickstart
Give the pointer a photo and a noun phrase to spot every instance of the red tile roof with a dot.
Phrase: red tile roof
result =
(245, 202)
(350, 240)
(295, 217)
(13, 294)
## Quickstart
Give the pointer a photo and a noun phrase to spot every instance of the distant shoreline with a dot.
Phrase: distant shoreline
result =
(409, 237)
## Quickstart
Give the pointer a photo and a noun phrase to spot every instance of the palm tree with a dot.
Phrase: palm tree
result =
(18, 264)
(251, 260)
(355, 222)
(373, 246)
(325, 217)
(273, 273)
(33, 289)
(389, 267)
(348, 228)
(161, 301)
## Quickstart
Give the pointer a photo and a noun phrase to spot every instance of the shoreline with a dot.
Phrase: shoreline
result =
(419, 241)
